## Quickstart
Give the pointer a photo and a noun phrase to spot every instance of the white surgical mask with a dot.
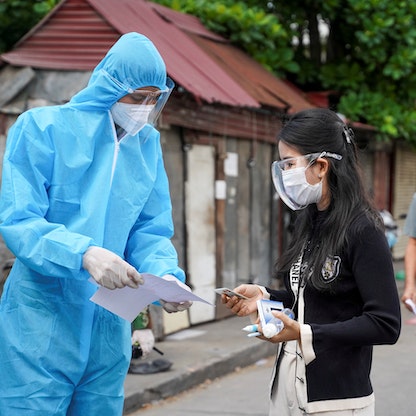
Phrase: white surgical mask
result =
(131, 117)
(299, 190)
(291, 183)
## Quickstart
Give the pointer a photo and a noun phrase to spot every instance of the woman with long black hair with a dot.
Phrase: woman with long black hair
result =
(337, 272)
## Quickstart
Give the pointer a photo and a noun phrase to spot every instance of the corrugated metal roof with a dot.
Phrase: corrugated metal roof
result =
(78, 33)
(186, 22)
(259, 83)
(72, 37)
(186, 63)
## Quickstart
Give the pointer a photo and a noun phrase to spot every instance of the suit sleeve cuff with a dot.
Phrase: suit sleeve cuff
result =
(266, 294)
(306, 337)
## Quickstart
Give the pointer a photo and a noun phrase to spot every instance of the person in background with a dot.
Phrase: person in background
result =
(391, 229)
(84, 203)
(409, 292)
(337, 272)
(142, 335)
(143, 343)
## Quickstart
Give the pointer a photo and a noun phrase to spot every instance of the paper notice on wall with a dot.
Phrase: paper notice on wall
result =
(128, 302)
(220, 189)
(231, 164)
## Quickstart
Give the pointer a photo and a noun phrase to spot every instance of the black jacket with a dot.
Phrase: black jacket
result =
(360, 311)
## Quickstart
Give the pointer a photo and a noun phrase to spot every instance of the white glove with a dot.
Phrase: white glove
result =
(110, 270)
(170, 307)
(146, 340)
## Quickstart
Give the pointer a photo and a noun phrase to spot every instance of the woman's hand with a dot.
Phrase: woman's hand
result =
(243, 307)
(409, 294)
(290, 332)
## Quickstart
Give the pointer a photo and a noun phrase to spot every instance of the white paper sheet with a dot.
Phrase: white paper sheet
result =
(128, 302)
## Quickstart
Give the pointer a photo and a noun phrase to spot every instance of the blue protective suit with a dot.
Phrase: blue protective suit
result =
(68, 184)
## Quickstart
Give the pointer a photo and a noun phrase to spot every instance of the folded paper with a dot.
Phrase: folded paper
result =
(128, 302)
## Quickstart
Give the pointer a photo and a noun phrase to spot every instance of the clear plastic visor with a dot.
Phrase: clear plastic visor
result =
(297, 162)
(304, 161)
(157, 99)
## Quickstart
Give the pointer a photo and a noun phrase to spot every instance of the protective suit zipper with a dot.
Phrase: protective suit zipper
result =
(116, 150)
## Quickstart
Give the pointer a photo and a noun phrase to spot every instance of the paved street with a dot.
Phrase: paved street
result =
(244, 392)
(241, 393)
(394, 370)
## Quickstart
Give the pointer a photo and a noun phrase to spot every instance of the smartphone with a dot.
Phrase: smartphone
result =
(229, 292)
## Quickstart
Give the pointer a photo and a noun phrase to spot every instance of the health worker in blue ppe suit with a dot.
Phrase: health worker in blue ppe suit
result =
(84, 202)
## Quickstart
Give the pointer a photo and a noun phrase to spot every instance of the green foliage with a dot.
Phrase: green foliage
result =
(17, 17)
(368, 55)
(383, 40)
(252, 29)
(393, 119)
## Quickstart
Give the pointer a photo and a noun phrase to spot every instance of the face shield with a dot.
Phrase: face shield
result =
(156, 99)
(290, 181)
(142, 109)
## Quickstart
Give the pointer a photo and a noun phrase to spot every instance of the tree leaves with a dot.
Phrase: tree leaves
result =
(367, 52)
(18, 16)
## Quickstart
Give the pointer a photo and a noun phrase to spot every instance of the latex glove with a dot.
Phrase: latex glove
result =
(171, 307)
(146, 340)
(110, 270)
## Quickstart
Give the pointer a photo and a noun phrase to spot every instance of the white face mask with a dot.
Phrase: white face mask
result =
(299, 190)
(131, 117)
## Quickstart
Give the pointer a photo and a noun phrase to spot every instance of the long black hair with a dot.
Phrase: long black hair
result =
(314, 131)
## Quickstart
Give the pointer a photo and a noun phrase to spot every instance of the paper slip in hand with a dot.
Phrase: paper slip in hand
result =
(411, 304)
(128, 302)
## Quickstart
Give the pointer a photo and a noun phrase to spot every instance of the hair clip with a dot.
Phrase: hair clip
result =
(348, 134)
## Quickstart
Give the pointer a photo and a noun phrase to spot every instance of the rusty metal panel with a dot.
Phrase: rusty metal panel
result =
(243, 208)
(173, 156)
(186, 62)
(78, 33)
(260, 195)
(379, 180)
(232, 179)
(261, 84)
(186, 22)
(72, 36)
(224, 121)
(200, 226)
